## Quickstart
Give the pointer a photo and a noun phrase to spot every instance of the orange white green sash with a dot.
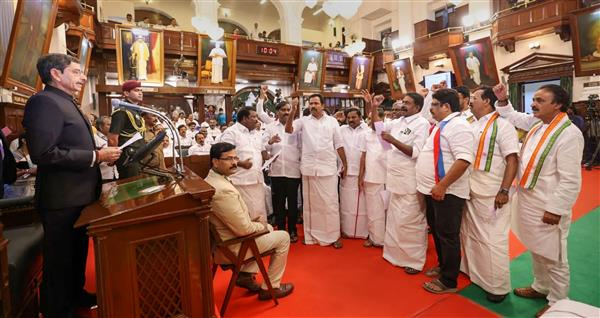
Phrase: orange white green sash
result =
(545, 144)
(487, 148)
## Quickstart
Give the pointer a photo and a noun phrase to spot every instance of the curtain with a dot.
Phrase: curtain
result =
(566, 82)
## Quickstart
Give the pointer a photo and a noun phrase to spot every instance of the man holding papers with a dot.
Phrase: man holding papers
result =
(405, 242)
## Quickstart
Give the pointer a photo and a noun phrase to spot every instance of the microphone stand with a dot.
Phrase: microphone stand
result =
(179, 168)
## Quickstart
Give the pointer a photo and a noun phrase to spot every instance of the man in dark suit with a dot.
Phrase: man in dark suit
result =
(61, 143)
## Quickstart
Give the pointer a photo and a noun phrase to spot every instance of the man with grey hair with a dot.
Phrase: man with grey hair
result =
(61, 143)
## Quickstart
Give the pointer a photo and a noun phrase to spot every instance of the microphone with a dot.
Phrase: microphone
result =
(179, 168)
(142, 152)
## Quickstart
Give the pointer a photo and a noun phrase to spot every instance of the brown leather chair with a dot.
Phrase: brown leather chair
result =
(247, 242)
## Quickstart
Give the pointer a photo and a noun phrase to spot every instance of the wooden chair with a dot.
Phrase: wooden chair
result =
(247, 242)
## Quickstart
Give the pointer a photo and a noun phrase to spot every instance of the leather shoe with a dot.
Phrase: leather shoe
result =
(282, 291)
(86, 300)
(338, 244)
(248, 281)
(495, 298)
(528, 292)
(293, 237)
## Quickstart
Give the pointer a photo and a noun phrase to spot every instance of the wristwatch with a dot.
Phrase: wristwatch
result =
(504, 190)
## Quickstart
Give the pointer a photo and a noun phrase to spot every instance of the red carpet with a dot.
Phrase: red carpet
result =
(357, 282)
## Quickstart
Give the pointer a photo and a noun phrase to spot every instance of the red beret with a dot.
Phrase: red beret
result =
(129, 85)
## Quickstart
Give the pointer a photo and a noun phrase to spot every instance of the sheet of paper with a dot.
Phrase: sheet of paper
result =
(131, 140)
(268, 162)
(379, 129)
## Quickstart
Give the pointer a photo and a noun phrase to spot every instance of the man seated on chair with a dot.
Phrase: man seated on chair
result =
(231, 219)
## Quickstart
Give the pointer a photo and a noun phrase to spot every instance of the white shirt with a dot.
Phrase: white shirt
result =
(247, 146)
(168, 151)
(185, 141)
(560, 177)
(456, 142)
(468, 116)
(507, 142)
(288, 162)
(353, 145)
(108, 172)
(262, 115)
(197, 149)
(320, 139)
(411, 131)
(212, 134)
(375, 158)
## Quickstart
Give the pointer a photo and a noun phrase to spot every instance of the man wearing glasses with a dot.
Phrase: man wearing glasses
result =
(231, 219)
(443, 178)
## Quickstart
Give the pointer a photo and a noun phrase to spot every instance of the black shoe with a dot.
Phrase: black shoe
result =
(293, 237)
(495, 298)
(282, 291)
(86, 300)
(248, 281)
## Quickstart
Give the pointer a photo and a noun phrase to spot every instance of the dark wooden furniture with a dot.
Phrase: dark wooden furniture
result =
(198, 164)
(152, 250)
(21, 236)
(247, 242)
(435, 45)
(524, 20)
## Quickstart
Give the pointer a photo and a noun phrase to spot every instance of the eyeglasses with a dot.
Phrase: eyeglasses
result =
(230, 159)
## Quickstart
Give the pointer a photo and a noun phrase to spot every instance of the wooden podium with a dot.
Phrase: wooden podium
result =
(152, 248)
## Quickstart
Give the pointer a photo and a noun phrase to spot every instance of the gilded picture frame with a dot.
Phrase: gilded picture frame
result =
(140, 55)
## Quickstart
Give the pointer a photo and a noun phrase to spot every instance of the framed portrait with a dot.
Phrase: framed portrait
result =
(311, 73)
(140, 55)
(216, 62)
(585, 26)
(29, 40)
(361, 70)
(401, 77)
(474, 63)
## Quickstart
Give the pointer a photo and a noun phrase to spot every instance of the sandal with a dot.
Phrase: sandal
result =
(433, 272)
(368, 243)
(528, 292)
(411, 271)
(437, 287)
(338, 244)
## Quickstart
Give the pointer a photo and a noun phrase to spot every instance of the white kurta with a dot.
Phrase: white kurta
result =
(484, 230)
(353, 212)
(405, 242)
(320, 139)
(375, 175)
(141, 54)
(556, 191)
(311, 73)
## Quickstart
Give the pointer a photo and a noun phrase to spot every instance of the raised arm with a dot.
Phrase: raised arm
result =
(262, 98)
(289, 127)
(506, 110)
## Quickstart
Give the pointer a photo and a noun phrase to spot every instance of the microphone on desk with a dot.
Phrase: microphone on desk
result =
(123, 104)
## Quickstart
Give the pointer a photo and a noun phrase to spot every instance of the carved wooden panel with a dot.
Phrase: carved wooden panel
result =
(11, 116)
(247, 51)
(253, 71)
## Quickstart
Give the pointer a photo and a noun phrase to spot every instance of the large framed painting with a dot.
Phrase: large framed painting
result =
(585, 26)
(474, 63)
(311, 73)
(361, 70)
(401, 77)
(140, 55)
(216, 62)
(29, 40)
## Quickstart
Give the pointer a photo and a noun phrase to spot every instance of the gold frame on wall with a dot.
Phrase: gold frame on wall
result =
(24, 48)
(391, 69)
(228, 82)
(586, 63)
(367, 73)
(152, 36)
(303, 61)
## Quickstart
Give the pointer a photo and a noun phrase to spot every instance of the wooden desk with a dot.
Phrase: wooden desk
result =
(152, 251)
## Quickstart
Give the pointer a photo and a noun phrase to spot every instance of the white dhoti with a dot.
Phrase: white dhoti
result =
(547, 243)
(352, 208)
(321, 210)
(253, 195)
(405, 242)
(484, 238)
(375, 212)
